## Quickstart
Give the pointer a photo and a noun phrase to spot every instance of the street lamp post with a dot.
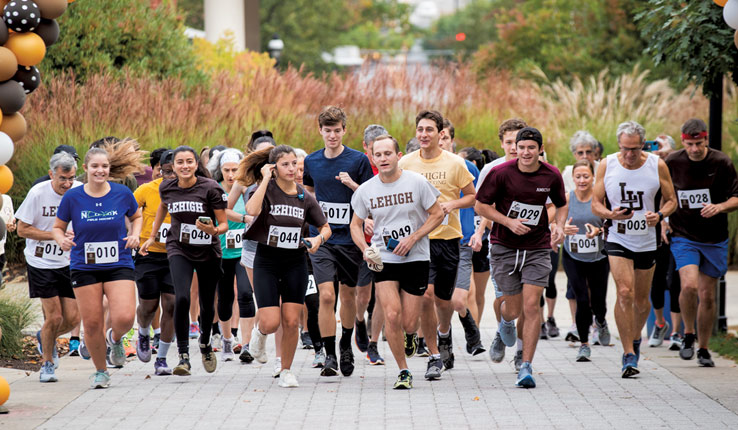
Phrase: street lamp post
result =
(275, 47)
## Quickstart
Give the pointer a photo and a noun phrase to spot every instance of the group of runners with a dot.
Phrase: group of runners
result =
(412, 238)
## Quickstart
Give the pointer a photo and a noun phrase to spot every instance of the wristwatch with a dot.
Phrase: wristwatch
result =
(661, 216)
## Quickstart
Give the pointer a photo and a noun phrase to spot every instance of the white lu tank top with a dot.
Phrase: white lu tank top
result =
(635, 189)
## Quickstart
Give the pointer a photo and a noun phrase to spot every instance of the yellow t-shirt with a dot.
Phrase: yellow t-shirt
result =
(448, 173)
(147, 196)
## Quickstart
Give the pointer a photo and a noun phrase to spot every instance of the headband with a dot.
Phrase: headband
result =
(700, 135)
(229, 157)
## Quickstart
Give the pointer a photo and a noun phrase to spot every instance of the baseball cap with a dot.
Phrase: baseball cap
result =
(68, 149)
(530, 133)
(167, 157)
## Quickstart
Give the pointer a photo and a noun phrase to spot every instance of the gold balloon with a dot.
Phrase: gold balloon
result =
(8, 64)
(51, 9)
(720, 3)
(14, 126)
(735, 38)
(6, 179)
(28, 48)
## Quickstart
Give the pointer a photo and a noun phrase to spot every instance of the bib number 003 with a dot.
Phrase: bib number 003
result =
(635, 226)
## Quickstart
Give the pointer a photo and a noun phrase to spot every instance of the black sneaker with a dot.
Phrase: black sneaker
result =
(422, 350)
(347, 362)
(435, 366)
(360, 335)
(183, 368)
(411, 344)
(404, 381)
(471, 333)
(687, 350)
(245, 356)
(553, 329)
(446, 348)
(307, 341)
(544, 332)
(330, 368)
(704, 359)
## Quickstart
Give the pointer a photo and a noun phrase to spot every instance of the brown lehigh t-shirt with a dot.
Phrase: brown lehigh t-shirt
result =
(186, 205)
(283, 217)
(522, 195)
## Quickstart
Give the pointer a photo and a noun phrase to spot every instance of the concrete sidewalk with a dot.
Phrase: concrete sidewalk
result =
(476, 394)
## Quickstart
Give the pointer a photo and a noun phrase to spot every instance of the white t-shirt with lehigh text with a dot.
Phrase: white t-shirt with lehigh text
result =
(39, 210)
(398, 209)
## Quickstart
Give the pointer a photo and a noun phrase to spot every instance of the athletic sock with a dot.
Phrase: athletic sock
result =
(346, 333)
(163, 349)
(330, 345)
(157, 331)
(440, 333)
(74, 338)
(520, 344)
(372, 343)
(436, 356)
(146, 331)
(234, 332)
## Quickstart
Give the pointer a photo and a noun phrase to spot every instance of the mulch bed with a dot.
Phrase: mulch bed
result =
(30, 360)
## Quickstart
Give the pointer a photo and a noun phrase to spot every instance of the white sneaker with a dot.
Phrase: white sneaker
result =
(277, 367)
(227, 353)
(216, 342)
(257, 347)
(287, 379)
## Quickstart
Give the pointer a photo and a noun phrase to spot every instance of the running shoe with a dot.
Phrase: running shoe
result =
(360, 335)
(73, 348)
(83, 351)
(143, 348)
(687, 349)
(117, 352)
(518, 360)
(307, 341)
(54, 354)
(128, 348)
(435, 366)
(411, 344)
(161, 367)
(216, 342)
(603, 333)
(236, 346)
(497, 350)
(372, 354)
(100, 379)
(155, 342)
(209, 361)
(446, 348)
(630, 365)
(525, 376)
(594, 337)
(508, 333)
(347, 361)
(47, 372)
(584, 353)
(227, 353)
(658, 334)
(183, 368)
(422, 349)
(404, 381)
(552, 328)
(471, 334)
(246, 356)
(194, 330)
(572, 335)
(258, 347)
(543, 335)
(675, 342)
(703, 358)
(287, 379)
(330, 367)
(637, 349)
(277, 367)
(319, 360)
(109, 363)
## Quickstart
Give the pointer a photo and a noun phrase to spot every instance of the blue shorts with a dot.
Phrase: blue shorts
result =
(711, 258)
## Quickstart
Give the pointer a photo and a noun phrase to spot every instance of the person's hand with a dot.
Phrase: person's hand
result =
(405, 245)
(69, 233)
(709, 211)
(475, 242)
(131, 242)
(314, 244)
(10, 225)
(592, 231)
(652, 218)
(67, 243)
(447, 207)
(369, 227)
(620, 213)
(570, 229)
(665, 231)
(557, 236)
(144, 249)
(346, 180)
(517, 226)
(207, 228)
(266, 171)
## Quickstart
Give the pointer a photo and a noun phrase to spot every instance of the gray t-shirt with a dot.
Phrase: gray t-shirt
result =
(487, 167)
(398, 208)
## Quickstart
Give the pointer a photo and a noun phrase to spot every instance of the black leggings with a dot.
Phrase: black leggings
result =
(233, 269)
(665, 277)
(550, 292)
(208, 274)
(313, 304)
(279, 275)
(246, 305)
(589, 281)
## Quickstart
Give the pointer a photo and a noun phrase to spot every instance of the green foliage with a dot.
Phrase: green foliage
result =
(691, 36)
(16, 315)
(113, 35)
(194, 12)
(477, 21)
(725, 344)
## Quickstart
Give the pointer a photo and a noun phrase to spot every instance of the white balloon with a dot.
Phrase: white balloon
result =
(730, 14)
(6, 148)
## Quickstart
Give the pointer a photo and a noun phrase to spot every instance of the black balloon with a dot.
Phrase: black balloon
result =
(12, 97)
(3, 32)
(22, 16)
(28, 77)
(48, 30)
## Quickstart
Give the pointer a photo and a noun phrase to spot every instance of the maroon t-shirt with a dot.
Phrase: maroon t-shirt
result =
(283, 217)
(523, 195)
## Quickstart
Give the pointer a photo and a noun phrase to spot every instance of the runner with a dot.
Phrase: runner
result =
(101, 261)
(280, 209)
(585, 265)
(521, 240)
(447, 172)
(405, 209)
(195, 203)
(153, 277)
(333, 173)
(707, 189)
(633, 182)
(47, 264)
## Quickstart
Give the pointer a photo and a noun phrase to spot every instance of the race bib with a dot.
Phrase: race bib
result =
(396, 232)
(523, 211)
(694, 199)
(312, 287)
(635, 226)
(284, 237)
(336, 213)
(234, 239)
(579, 243)
(50, 250)
(190, 234)
(161, 236)
(101, 252)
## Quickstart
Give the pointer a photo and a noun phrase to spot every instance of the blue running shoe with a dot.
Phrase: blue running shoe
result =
(508, 334)
(525, 376)
(73, 348)
(47, 372)
(630, 365)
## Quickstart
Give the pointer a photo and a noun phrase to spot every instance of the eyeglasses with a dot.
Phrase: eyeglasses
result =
(65, 179)
(638, 149)
(590, 152)
(167, 172)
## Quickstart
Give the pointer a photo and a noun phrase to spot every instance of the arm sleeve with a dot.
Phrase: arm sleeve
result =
(140, 195)
(313, 214)
(463, 176)
(428, 194)
(307, 179)
(731, 179)
(357, 203)
(131, 203)
(27, 209)
(217, 198)
(365, 170)
(487, 192)
(64, 211)
(558, 194)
